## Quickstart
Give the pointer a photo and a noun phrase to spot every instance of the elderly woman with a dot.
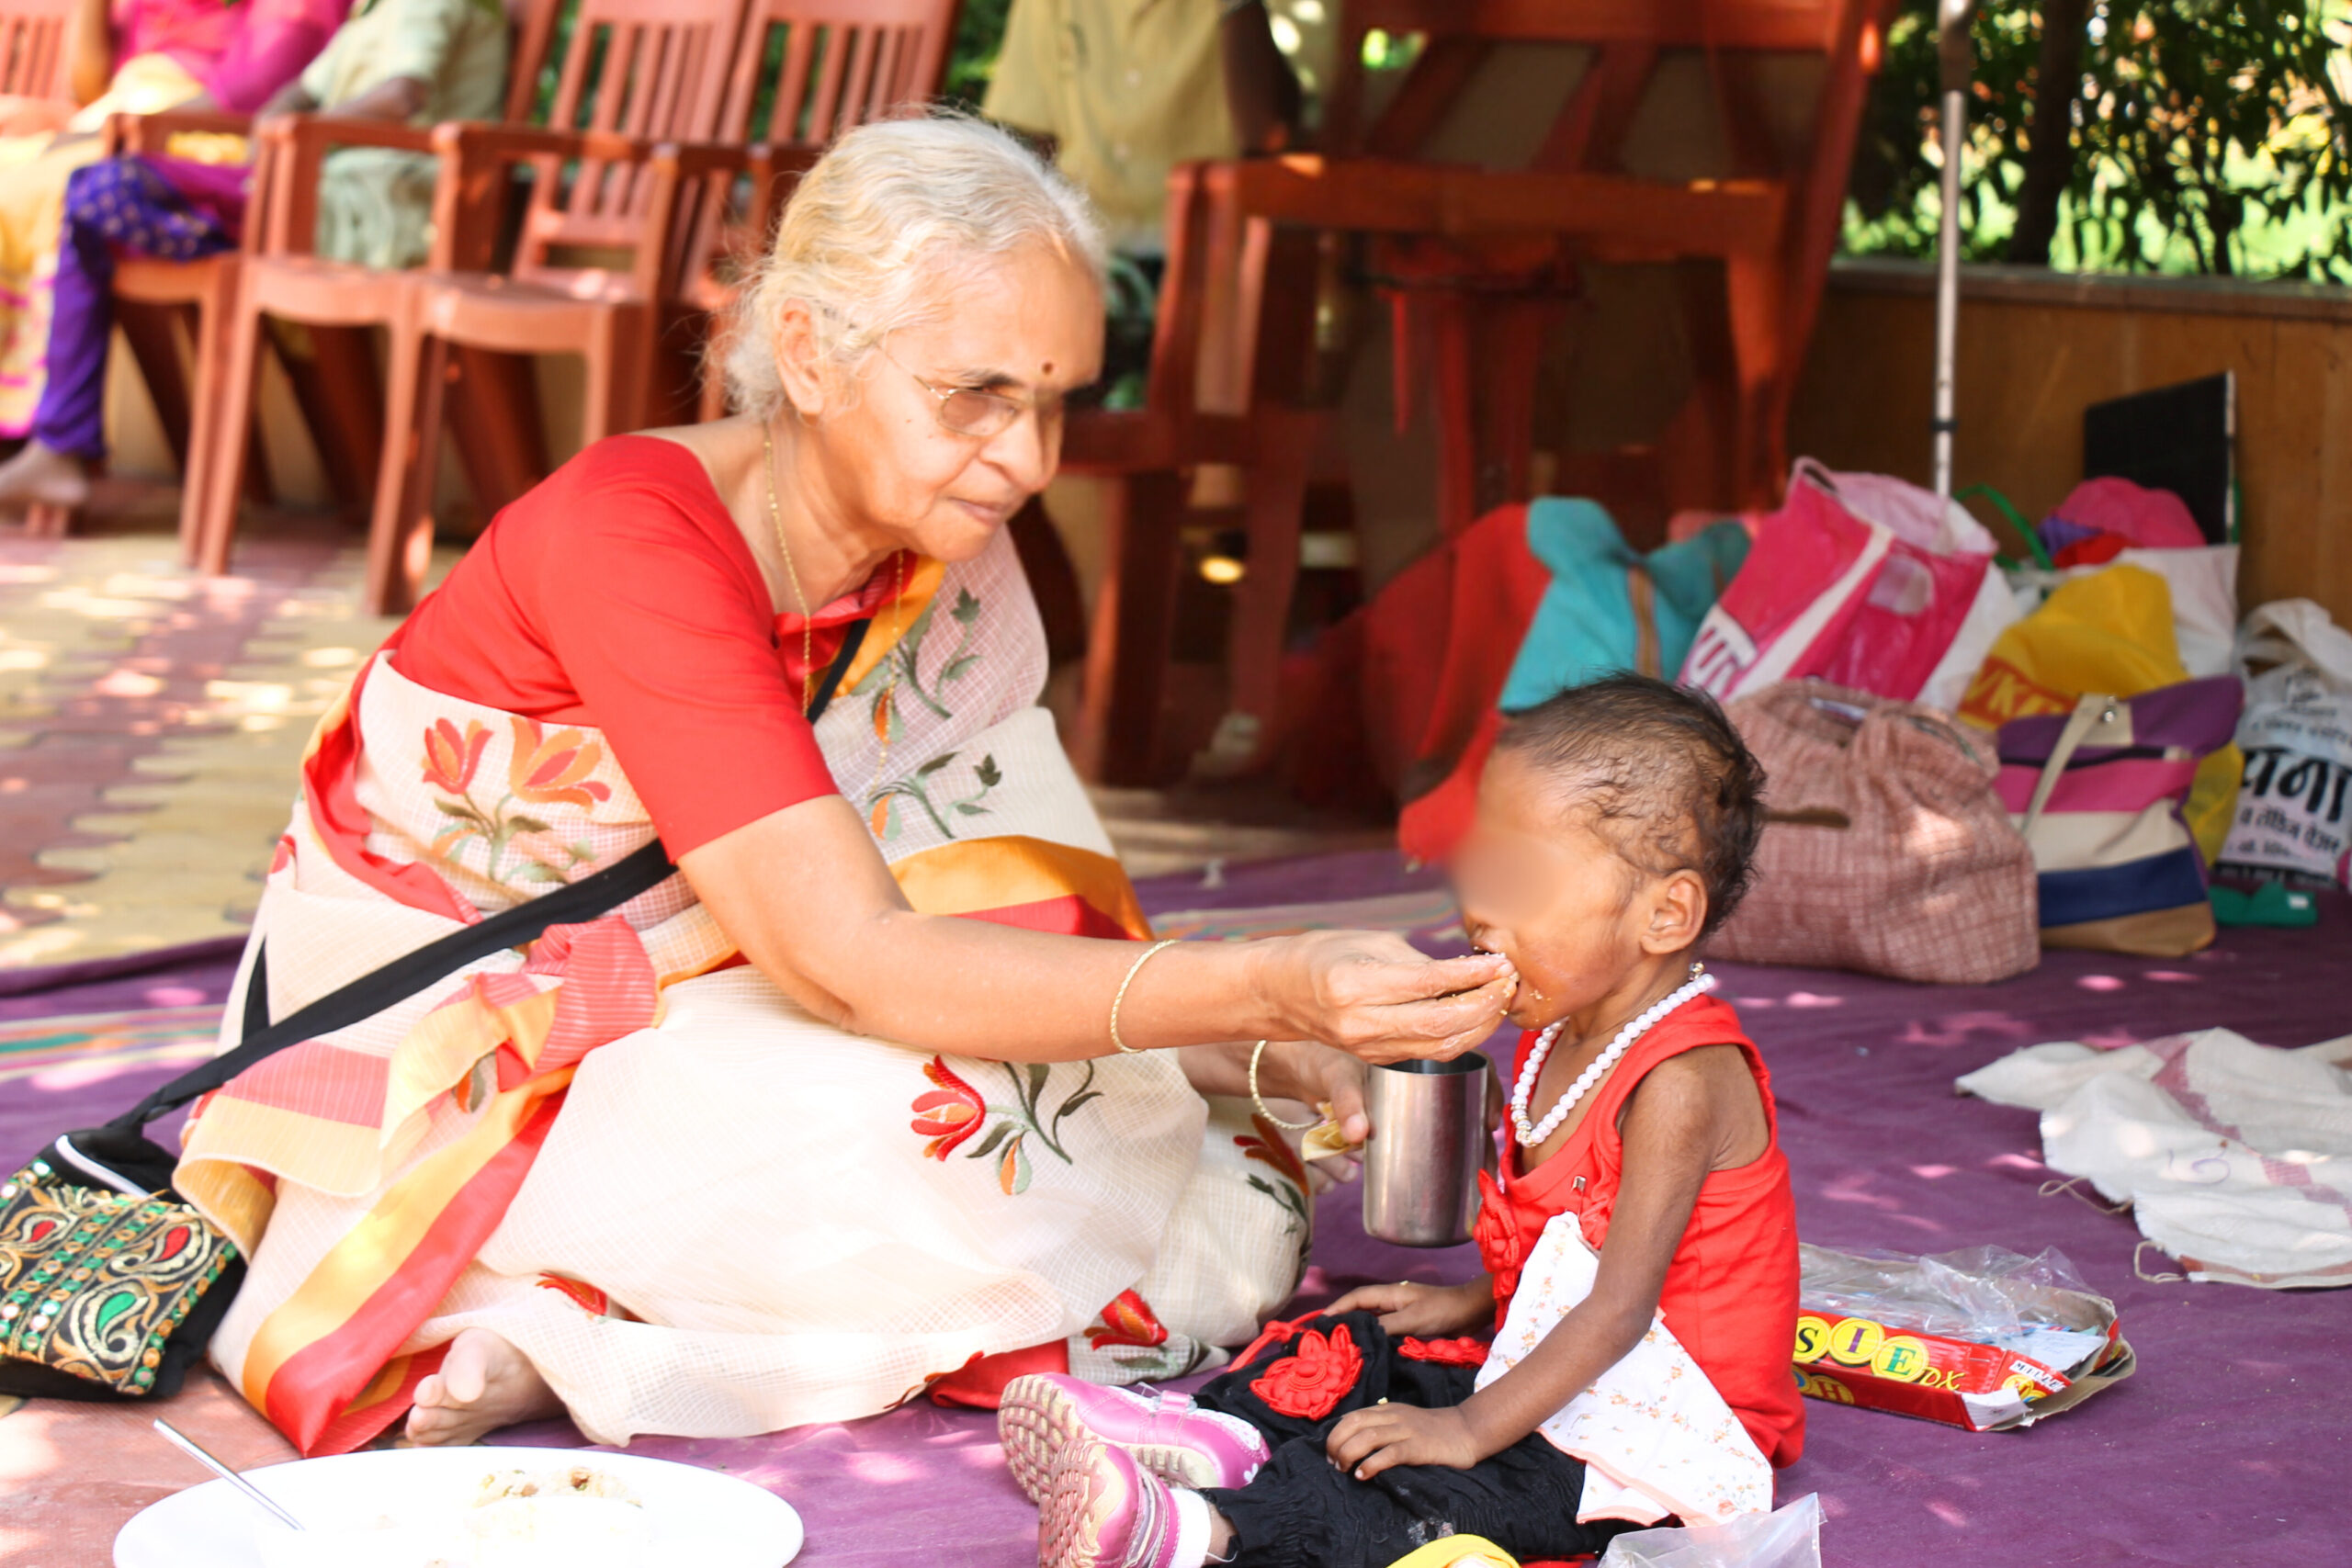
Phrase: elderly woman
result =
(877, 1086)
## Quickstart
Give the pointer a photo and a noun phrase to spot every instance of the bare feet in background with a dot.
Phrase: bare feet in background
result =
(42, 476)
(484, 1383)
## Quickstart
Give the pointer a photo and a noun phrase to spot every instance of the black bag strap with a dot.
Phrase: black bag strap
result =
(404, 976)
(596, 894)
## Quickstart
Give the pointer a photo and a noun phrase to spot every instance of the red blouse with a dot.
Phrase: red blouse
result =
(621, 595)
(1731, 1291)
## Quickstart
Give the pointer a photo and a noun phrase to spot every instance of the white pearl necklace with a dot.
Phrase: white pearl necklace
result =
(1531, 1134)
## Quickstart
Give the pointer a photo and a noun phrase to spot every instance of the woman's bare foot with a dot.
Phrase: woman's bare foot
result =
(42, 476)
(484, 1383)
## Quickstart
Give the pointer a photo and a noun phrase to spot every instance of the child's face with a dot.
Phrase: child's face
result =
(1539, 885)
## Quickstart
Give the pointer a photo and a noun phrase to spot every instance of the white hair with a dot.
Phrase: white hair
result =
(892, 213)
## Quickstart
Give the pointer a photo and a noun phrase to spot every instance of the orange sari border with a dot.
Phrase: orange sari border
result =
(989, 877)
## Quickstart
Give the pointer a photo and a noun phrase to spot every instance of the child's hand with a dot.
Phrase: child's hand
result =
(1423, 1310)
(1367, 1441)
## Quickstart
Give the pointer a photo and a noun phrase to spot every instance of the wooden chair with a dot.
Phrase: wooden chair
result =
(633, 72)
(800, 73)
(333, 385)
(1490, 254)
(36, 65)
(803, 71)
(154, 296)
(1485, 260)
(1231, 348)
(806, 71)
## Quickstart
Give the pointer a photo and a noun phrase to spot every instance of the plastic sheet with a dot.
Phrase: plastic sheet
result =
(1785, 1538)
(1985, 1294)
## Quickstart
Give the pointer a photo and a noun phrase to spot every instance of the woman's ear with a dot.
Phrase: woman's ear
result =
(1677, 913)
(800, 364)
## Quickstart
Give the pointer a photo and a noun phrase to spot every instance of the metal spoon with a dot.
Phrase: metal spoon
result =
(253, 1493)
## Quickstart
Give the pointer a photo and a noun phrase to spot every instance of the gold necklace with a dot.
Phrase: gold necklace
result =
(890, 690)
(808, 631)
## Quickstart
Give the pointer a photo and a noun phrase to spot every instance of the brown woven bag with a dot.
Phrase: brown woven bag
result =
(1885, 849)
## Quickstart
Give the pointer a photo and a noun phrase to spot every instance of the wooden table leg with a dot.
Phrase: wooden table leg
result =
(1127, 658)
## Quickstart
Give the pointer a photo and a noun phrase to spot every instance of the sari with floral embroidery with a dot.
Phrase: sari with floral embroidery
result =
(697, 1209)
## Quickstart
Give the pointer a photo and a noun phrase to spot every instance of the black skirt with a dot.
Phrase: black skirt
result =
(1304, 1511)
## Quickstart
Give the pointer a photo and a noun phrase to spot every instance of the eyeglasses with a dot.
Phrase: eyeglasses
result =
(970, 411)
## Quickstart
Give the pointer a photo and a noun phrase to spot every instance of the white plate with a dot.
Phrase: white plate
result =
(700, 1519)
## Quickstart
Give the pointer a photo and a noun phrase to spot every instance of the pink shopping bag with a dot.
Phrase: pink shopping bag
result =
(1826, 594)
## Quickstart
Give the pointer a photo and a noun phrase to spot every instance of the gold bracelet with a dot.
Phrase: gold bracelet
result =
(1259, 1100)
(1148, 954)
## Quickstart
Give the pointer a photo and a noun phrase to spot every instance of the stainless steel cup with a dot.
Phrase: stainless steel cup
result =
(1428, 1143)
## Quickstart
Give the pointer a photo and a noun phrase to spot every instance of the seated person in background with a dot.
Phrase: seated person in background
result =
(419, 60)
(134, 57)
(1615, 829)
(1122, 91)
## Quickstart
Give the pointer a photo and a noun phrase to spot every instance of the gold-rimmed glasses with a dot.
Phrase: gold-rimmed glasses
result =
(977, 413)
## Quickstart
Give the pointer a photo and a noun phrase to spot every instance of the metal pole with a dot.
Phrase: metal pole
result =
(1956, 62)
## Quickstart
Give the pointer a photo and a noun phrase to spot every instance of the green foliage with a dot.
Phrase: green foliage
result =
(979, 31)
(2210, 136)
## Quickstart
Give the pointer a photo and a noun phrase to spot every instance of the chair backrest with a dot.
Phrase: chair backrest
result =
(1742, 47)
(807, 70)
(534, 29)
(653, 69)
(33, 54)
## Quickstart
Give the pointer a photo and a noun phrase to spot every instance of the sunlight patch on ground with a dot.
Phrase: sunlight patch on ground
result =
(191, 832)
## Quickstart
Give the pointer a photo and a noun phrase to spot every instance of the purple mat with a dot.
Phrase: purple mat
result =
(2228, 1448)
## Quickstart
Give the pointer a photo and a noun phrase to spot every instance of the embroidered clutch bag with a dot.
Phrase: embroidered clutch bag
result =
(103, 1294)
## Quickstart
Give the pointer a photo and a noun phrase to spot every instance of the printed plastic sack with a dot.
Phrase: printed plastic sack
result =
(1863, 581)
(1785, 1538)
(2110, 632)
(2292, 814)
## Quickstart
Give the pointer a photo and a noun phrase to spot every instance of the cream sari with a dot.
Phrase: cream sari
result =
(699, 1209)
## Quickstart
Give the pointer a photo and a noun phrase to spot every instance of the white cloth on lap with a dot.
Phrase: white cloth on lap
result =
(1655, 1435)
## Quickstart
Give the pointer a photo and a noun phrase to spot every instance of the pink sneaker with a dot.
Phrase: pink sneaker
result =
(1100, 1509)
(1172, 1438)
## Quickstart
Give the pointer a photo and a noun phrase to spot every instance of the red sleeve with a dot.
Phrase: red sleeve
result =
(671, 651)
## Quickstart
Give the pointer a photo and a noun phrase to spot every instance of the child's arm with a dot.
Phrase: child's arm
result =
(1677, 1123)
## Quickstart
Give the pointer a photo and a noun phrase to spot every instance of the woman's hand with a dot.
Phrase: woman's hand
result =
(1365, 1442)
(1424, 1311)
(1315, 1076)
(1374, 994)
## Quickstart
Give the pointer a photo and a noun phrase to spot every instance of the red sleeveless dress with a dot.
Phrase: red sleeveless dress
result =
(1731, 1291)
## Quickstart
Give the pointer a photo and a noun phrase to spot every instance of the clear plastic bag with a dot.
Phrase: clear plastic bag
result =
(1785, 1538)
(1987, 1295)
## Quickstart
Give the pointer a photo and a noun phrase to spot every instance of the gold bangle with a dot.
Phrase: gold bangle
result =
(1148, 954)
(1259, 1100)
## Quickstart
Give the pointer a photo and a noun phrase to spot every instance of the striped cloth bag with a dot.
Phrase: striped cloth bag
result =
(2098, 794)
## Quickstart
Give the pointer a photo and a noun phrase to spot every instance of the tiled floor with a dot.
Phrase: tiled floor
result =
(151, 723)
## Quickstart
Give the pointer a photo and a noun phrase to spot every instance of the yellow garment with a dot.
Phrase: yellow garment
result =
(1127, 88)
(1458, 1551)
(2110, 632)
(374, 204)
(144, 84)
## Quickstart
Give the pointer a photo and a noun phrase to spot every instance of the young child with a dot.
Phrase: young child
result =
(1615, 829)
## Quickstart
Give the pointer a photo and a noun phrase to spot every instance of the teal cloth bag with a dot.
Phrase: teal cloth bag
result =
(1609, 607)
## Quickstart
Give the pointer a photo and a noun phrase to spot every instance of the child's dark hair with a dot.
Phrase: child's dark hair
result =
(1672, 783)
